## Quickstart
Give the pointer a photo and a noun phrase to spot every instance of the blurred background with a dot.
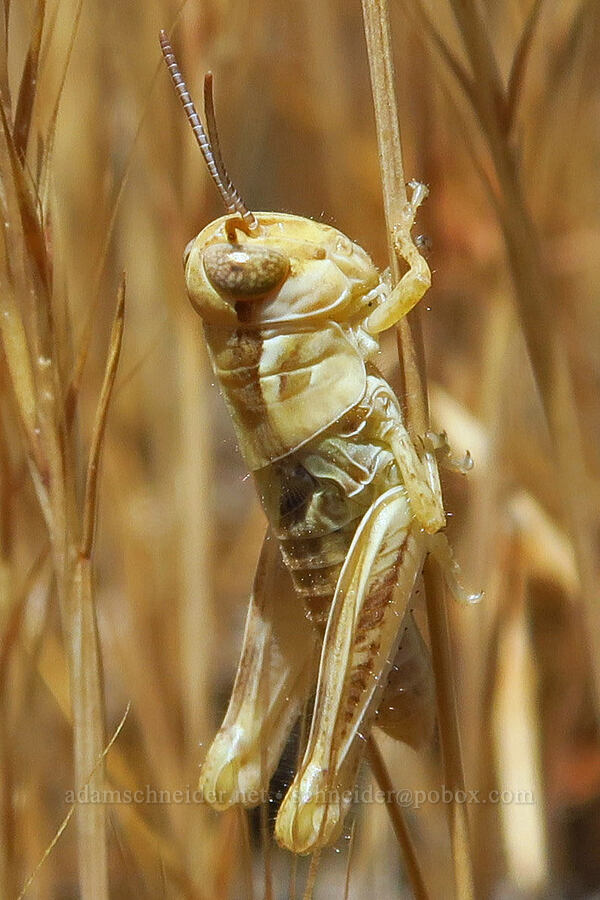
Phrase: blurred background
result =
(499, 108)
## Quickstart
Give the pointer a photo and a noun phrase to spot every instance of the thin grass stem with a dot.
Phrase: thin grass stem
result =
(377, 32)
(384, 782)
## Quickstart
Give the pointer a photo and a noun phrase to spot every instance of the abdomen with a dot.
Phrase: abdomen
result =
(316, 497)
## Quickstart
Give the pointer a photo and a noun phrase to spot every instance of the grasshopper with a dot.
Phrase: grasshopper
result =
(291, 310)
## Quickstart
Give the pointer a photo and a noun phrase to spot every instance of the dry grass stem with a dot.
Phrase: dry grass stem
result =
(91, 484)
(311, 880)
(390, 154)
(384, 782)
(454, 779)
(73, 808)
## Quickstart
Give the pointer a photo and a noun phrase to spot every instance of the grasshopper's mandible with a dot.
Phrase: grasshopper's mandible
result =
(291, 311)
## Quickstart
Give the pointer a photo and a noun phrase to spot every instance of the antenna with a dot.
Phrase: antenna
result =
(213, 135)
(212, 157)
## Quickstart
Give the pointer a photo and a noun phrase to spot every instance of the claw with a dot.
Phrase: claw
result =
(440, 549)
(419, 193)
(438, 443)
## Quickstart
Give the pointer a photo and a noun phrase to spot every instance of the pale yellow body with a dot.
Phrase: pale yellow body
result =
(291, 312)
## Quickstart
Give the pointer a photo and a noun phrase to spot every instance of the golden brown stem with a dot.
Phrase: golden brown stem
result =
(377, 31)
(384, 783)
(454, 779)
(116, 338)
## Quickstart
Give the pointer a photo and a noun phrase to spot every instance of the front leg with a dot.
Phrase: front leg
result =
(419, 474)
(411, 287)
(421, 477)
(434, 442)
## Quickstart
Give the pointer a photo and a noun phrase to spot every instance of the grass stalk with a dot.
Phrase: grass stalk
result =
(86, 663)
(384, 782)
(377, 30)
(454, 780)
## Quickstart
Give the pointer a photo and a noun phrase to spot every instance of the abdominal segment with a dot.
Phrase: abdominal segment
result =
(315, 499)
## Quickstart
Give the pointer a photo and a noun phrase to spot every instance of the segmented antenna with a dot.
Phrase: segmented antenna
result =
(212, 157)
(213, 136)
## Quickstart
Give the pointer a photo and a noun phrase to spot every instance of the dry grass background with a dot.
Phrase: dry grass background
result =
(99, 175)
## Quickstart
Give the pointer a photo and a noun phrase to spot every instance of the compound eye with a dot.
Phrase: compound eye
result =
(244, 271)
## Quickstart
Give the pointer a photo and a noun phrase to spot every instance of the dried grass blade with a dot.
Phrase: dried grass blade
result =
(27, 90)
(265, 842)
(30, 220)
(515, 729)
(18, 360)
(4, 55)
(16, 345)
(377, 33)
(458, 70)
(474, 33)
(517, 72)
(49, 28)
(91, 487)
(533, 295)
(246, 854)
(489, 185)
(51, 130)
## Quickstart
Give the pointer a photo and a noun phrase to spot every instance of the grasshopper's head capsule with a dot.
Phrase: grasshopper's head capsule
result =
(290, 269)
(265, 268)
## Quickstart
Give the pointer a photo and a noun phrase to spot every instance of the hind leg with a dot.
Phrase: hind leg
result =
(360, 641)
(276, 670)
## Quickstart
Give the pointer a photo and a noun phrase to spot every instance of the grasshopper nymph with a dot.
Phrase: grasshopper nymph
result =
(291, 311)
